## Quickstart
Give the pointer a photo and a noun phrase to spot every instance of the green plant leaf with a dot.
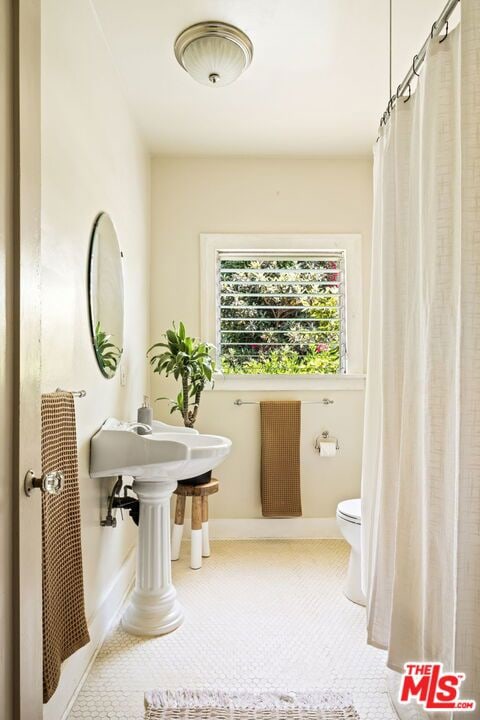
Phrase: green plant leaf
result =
(189, 361)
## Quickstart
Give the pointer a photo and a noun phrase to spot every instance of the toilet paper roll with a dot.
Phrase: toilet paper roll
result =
(327, 448)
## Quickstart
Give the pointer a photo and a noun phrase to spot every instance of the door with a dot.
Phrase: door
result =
(24, 16)
(6, 355)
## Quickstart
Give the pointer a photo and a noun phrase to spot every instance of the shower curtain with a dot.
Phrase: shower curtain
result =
(421, 466)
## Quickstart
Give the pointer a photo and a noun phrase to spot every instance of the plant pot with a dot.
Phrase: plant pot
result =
(198, 479)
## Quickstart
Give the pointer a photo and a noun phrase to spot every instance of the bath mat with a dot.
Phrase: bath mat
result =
(280, 478)
(64, 624)
(207, 704)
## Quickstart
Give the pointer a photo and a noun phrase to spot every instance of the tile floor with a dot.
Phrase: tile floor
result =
(260, 615)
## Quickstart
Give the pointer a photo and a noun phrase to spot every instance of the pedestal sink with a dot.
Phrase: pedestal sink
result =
(156, 462)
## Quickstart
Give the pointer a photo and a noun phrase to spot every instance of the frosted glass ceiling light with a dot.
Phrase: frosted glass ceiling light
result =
(213, 53)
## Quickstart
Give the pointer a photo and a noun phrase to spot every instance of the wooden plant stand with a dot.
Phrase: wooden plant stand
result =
(200, 543)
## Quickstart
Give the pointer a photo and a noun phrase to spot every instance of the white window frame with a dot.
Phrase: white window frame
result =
(351, 244)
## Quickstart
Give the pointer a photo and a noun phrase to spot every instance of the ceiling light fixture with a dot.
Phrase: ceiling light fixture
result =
(214, 53)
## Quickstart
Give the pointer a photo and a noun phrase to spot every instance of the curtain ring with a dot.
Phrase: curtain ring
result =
(446, 33)
(409, 94)
(413, 66)
(433, 30)
(398, 88)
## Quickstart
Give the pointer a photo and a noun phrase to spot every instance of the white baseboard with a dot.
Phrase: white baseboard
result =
(76, 668)
(271, 528)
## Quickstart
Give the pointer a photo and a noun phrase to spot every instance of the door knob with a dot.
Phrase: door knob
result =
(51, 482)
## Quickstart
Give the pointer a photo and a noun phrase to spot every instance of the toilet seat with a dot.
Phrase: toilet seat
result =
(350, 511)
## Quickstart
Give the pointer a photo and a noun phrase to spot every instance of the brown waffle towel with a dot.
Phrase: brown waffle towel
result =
(64, 623)
(280, 421)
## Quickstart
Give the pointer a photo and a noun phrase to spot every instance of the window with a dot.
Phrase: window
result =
(281, 312)
(283, 305)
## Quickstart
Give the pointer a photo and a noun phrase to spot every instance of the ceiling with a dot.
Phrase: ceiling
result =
(317, 85)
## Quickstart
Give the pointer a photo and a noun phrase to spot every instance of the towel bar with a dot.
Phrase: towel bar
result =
(75, 393)
(324, 401)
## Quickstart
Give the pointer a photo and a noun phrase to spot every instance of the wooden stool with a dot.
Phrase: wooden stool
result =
(200, 544)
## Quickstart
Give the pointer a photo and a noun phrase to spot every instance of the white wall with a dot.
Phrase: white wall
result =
(251, 195)
(93, 160)
(6, 345)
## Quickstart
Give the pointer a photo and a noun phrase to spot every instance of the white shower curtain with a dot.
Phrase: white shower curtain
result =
(421, 467)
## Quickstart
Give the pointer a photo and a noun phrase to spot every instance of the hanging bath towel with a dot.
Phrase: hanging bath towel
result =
(280, 480)
(64, 624)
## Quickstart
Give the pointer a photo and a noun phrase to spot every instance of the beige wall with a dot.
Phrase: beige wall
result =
(248, 195)
(6, 326)
(93, 160)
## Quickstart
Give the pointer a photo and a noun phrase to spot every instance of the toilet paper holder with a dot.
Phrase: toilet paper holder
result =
(326, 436)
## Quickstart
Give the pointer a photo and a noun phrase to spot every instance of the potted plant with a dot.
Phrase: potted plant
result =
(190, 361)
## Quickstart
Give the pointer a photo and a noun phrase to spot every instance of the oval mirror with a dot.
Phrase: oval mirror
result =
(105, 286)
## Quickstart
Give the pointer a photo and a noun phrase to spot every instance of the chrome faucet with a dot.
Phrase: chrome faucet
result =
(134, 425)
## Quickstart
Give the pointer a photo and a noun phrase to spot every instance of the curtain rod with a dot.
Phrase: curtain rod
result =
(420, 56)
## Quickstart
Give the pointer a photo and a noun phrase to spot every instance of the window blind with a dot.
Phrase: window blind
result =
(281, 312)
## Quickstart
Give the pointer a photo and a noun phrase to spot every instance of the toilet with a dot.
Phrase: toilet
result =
(349, 520)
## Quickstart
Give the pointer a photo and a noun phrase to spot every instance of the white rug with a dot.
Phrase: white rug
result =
(201, 705)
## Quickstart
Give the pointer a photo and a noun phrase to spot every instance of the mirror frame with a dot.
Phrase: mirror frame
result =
(89, 292)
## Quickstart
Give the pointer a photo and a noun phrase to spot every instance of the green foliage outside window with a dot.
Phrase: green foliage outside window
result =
(280, 316)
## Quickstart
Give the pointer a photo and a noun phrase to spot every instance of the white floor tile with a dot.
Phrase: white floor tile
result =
(260, 615)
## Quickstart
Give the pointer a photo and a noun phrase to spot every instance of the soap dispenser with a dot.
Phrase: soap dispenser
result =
(145, 416)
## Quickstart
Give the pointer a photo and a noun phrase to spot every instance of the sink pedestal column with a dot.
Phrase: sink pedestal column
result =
(154, 608)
